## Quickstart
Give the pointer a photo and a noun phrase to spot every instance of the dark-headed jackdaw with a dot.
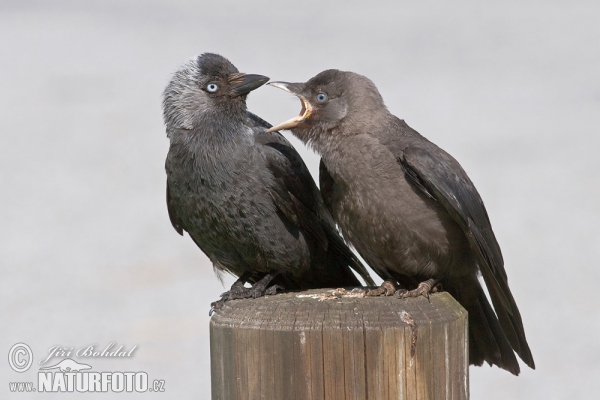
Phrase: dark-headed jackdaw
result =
(245, 196)
(408, 207)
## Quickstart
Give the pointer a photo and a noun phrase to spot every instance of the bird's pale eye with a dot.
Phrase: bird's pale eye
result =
(212, 87)
(321, 98)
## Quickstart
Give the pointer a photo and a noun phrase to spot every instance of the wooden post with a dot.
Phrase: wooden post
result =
(329, 345)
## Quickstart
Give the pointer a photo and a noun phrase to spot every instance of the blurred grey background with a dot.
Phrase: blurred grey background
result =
(87, 253)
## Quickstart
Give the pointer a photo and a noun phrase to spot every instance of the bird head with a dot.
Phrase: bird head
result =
(206, 84)
(330, 99)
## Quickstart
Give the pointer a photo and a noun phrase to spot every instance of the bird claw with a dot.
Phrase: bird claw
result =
(243, 293)
(257, 292)
(424, 289)
(387, 288)
(239, 291)
(215, 305)
(237, 287)
(272, 291)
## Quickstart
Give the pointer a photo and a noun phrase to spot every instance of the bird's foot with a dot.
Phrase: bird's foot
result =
(424, 289)
(387, 288)
(239, 291)
(237, 286)
(272, 290)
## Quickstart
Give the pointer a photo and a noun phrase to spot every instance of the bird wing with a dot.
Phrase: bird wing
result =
(296, 195)
(326, 183)
(441, 177)
(289, 170)
(175, 221)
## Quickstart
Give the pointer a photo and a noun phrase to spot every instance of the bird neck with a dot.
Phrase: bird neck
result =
(212, 142)
(325, 139)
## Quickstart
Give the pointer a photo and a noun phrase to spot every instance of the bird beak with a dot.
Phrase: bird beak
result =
(292, 88)
(241, 84)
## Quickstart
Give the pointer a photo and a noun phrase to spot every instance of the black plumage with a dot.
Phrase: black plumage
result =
(244, 196)
(408, 207)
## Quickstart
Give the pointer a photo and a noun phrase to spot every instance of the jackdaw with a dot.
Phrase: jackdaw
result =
(245, 196)
(408, 207)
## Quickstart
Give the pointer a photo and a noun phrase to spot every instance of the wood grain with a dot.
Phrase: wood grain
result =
(299, 346)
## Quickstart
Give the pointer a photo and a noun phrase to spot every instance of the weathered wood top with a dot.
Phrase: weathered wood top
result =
(335, 309)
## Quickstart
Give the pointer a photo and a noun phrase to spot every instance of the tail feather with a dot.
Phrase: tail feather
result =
(338, 271)
(482, 343)
(494, 275)
(509, 317)
(337, 258)
(347, 257)
(487, 340)
(507, 359)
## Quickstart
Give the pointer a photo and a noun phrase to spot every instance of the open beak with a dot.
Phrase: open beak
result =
(304, 112)
(241, 84)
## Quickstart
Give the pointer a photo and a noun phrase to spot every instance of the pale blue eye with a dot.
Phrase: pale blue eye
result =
(321, 97)
(212, 87)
